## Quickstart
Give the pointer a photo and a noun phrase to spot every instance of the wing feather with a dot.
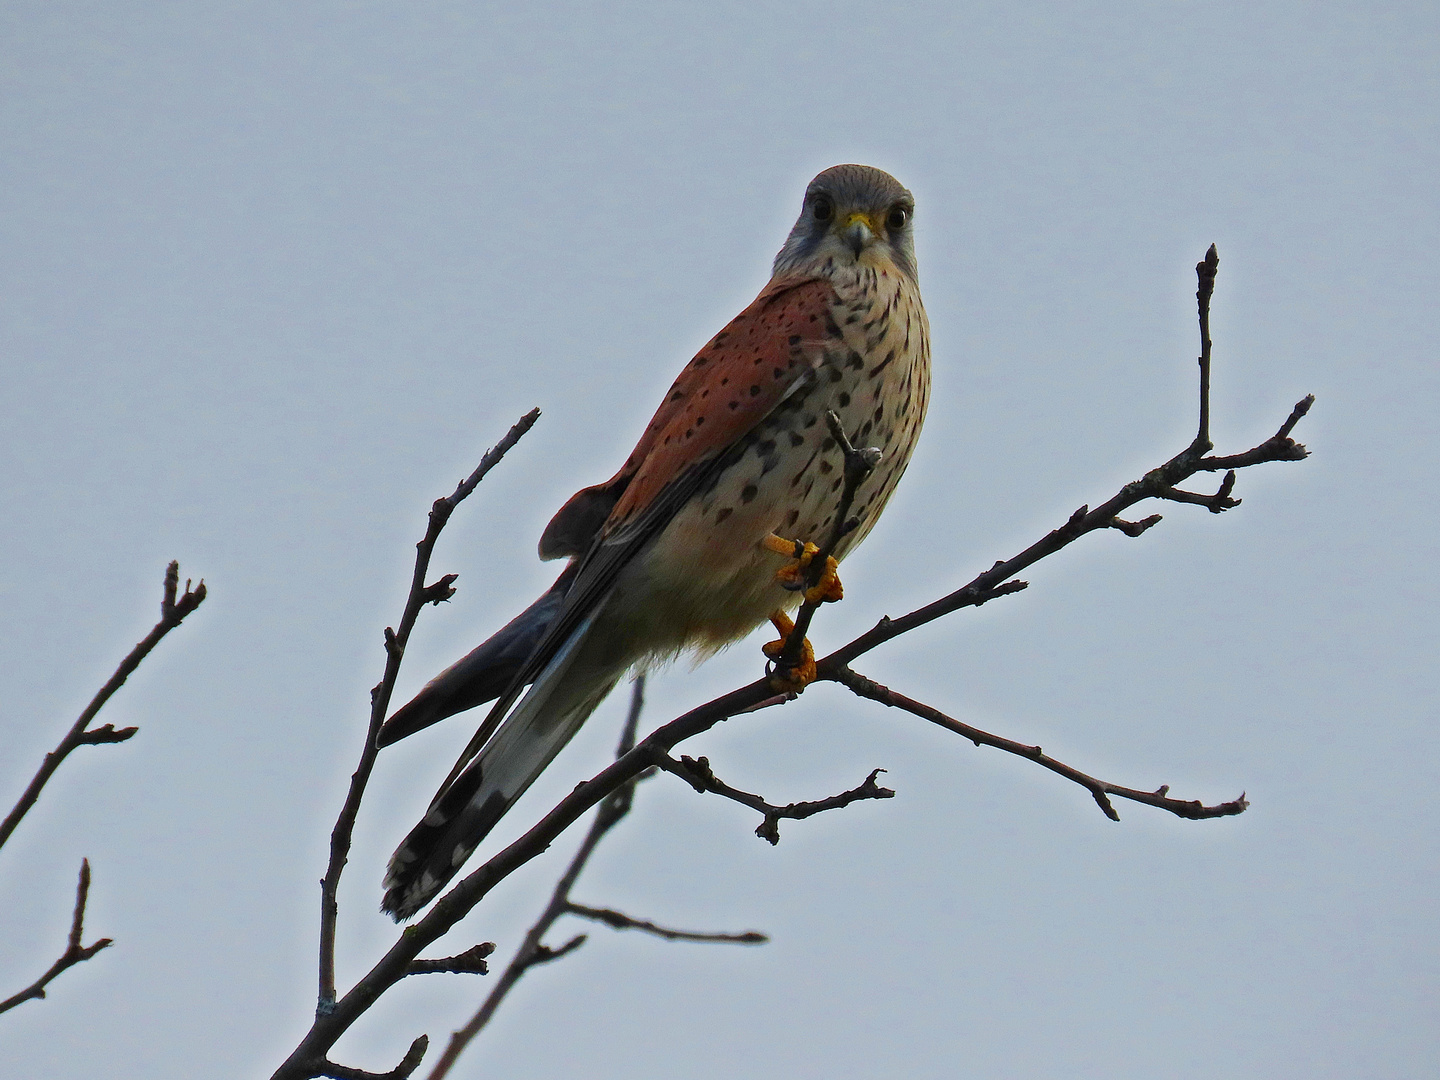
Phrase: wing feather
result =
(732, 384)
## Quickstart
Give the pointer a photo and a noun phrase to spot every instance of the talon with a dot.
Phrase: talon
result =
(790, 680)
(827, 590)
(792, 577)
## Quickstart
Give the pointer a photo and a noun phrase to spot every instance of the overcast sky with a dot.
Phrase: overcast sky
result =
(273, 276)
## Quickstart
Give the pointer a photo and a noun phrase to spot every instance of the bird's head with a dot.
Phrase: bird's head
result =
(852, 215)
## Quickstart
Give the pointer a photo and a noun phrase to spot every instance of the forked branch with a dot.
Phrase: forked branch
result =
(74, 953)
(697, 773)
(173, 610)
(1100, 789)
(408, 1064)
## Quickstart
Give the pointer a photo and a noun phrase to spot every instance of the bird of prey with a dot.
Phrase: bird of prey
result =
(677, 550)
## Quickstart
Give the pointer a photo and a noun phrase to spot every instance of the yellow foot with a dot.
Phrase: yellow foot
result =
(790, 679)
(826, 590)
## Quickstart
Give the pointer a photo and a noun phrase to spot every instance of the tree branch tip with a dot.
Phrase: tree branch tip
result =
(1133, 529)
(544, 954)
(469, 962)
(107, 733)
(984, 596)
(172, 610)
(1296, 415)
(440, 591)
(408, 1064)
(90, 950)
(1106, 806)
(411, 1061)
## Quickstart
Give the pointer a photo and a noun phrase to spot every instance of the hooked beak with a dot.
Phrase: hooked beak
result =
(857, 233)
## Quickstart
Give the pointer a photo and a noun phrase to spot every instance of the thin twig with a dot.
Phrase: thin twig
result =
(408, 1064)
(1100, 789)
(395, 640)
(618, 920)
(697, 773)
(469, 962)
(172, 613)
(1279, 447)
(1205, 271)
(1216, 504)
(1135, 528)
(74, 953)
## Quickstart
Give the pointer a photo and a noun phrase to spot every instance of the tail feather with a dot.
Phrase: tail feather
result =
(562, 697)
(485, 673)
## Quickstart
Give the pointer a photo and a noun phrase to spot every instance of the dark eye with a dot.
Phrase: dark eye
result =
(897, 217)
(823, 207)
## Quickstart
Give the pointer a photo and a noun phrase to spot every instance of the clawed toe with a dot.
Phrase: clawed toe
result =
(793, 576)
(789, 679)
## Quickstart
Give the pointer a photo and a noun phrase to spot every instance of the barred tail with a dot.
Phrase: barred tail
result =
(563, 695)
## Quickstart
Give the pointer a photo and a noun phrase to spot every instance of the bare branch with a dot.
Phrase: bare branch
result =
(1135, 528)
(992, 582)
(408, 1064)
(697, 773)
(620, 921)
(469, 962)
(1100, 789)
(1279, 447)
(395, 640)
(543, 954)
(172, 614)
(74, 953)
(1205, 271)
(1216, 504)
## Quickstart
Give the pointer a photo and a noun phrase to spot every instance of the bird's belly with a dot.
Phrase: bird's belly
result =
(706, 580)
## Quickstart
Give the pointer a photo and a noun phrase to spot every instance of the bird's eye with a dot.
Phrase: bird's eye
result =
(897, 217)
(823, 207)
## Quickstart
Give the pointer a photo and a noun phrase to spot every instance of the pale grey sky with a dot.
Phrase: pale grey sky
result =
(273, 276)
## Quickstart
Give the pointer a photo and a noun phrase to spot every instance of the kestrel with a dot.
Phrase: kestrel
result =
(671, 554)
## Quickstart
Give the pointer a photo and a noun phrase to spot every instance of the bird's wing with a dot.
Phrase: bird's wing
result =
(731, 385)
